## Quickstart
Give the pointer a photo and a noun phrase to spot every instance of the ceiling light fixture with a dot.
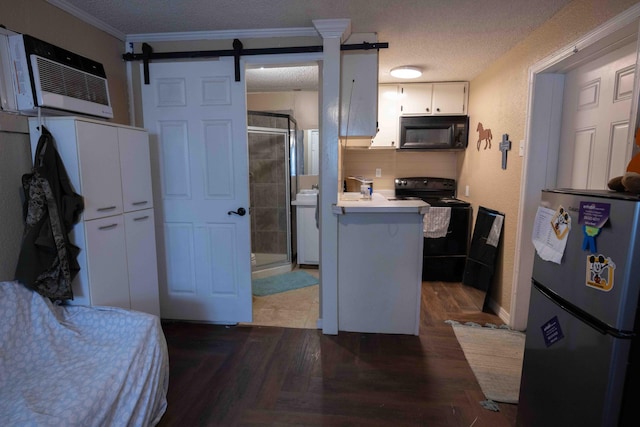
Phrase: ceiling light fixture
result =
(406, 72)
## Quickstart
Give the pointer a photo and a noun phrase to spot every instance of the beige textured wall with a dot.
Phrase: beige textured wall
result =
(46, 22)
(303, 104)
(15, 160)
(498, 99)
(397, 164)
(51, 24)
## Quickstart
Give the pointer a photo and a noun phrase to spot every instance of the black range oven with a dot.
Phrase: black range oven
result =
(443, 257)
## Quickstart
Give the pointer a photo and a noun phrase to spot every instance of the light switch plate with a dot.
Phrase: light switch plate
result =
(378, 172)
(521, 148)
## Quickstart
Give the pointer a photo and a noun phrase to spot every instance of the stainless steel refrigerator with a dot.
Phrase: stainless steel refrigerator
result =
(581, 353)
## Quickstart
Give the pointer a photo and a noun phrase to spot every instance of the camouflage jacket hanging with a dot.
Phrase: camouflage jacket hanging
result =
(47, 261)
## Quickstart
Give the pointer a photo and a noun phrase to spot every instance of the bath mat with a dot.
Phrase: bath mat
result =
(282, 283)
(495, 356)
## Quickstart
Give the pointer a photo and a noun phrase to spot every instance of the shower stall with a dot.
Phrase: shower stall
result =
(272, 185)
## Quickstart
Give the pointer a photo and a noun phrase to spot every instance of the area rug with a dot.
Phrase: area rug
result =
(495, 356)
(282, 283)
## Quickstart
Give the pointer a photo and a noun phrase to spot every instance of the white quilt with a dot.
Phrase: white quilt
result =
(78, 366)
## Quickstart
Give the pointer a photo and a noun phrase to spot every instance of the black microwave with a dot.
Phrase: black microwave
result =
(434, 132)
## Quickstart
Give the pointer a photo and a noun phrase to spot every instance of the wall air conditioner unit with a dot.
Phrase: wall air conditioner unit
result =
(53, 78)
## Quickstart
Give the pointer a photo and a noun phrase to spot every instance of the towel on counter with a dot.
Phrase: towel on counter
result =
(436, 222)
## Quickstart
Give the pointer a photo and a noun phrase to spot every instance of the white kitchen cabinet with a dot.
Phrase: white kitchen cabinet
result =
(358, 90)
(447, 98)
(388, 115)
(415, 99)
(109, 165)
(450, 98)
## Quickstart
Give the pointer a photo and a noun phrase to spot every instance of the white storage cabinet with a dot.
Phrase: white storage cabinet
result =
(109, 166)
(308, 235)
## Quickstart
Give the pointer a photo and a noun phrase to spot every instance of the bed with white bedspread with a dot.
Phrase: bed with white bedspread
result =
(78, 366)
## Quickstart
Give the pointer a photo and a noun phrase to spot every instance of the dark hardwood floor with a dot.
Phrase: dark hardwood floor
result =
(271, 376)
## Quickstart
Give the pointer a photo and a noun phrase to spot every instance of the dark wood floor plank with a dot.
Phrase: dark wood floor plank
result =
(268, 376)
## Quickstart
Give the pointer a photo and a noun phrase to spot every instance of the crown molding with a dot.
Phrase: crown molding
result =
(89, 19)
(183, 36)
(223, 34)
(333, 28)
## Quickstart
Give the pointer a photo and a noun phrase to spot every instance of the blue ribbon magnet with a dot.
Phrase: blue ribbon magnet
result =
(589, 241)
(593, 216)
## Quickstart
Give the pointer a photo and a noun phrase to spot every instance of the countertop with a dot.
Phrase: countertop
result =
(378, 204)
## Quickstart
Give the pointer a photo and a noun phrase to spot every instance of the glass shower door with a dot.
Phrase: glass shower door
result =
(269, 185)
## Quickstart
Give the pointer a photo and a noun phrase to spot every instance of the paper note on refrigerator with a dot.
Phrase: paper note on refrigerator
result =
(548, 243)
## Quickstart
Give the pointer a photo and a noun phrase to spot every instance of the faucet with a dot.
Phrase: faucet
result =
(315, 187)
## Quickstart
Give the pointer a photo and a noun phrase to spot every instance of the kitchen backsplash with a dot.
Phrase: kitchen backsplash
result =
(394, 164)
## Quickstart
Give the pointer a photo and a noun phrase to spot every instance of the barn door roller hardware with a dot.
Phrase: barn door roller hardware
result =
(147, 53)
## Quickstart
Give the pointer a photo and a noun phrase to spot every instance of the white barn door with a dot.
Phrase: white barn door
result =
(597, 107)
(196, 116)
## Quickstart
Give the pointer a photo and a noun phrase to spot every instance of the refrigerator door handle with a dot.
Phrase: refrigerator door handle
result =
(580, 314)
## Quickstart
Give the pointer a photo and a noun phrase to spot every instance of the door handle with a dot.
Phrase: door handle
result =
(239, 212)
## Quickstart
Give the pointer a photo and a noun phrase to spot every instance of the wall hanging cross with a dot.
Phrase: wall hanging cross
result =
(505, 145)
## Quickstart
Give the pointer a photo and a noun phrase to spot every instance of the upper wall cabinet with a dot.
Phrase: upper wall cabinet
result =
(416, 99)
(359, 89)
(388, 113)
(450, 98)
(433, 98)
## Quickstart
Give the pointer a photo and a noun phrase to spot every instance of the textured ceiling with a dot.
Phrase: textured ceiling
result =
(449, 39)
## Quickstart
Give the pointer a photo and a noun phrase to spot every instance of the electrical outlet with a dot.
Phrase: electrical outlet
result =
(466, 191)
(378, 172)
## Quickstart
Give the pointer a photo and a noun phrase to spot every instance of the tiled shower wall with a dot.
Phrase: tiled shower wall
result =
(267, 185)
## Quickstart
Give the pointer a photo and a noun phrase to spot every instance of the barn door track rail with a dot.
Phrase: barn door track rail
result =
(238, 51)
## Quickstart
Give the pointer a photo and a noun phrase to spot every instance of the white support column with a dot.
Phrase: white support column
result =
(333, 32)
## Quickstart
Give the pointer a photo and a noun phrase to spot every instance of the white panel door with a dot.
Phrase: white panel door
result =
(196, 116)
(595, 126)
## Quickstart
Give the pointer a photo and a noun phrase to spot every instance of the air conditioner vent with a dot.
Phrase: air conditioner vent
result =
(50, 78)
(62, 80)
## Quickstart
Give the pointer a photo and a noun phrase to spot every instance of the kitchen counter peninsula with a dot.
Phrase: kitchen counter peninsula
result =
(351, 203)
(380, 243)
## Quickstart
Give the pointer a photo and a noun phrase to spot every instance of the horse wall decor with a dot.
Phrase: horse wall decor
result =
(484, 134)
